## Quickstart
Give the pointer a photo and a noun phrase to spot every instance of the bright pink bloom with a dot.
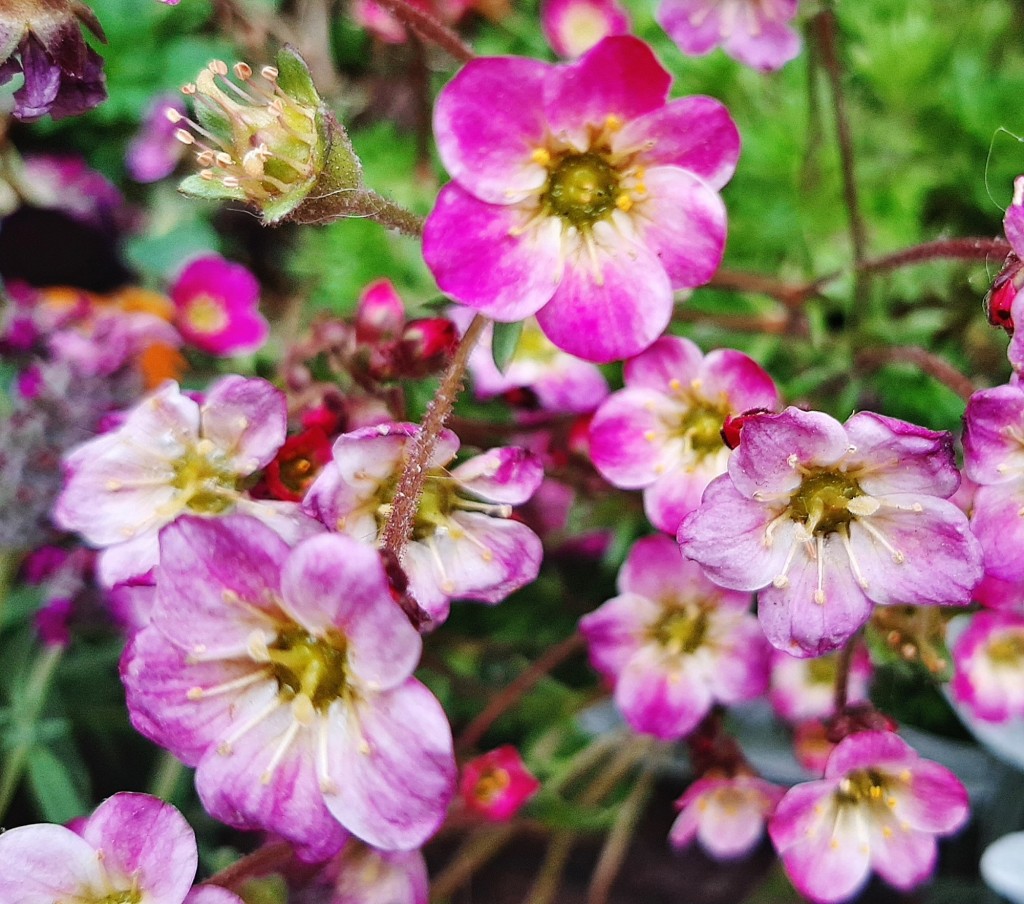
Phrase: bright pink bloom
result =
(572, 27)
(663, 432)
(580, 194)
(829, 519)
(880, 806)
(361, 874)
(755, 32)
(133, 848)
(173, 455)
(285, 677)
(988, 659)
(674, 644)
(218, 307)
(805, 688)
(464, 545)
(496, 784)
(726, 816)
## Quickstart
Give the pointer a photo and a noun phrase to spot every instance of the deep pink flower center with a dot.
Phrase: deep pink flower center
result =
(822, 501)
(316, 667)
(681, 630)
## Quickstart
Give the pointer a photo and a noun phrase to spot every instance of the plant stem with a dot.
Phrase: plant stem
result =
(517, 689)
(933, 365)
(430, 29)
(167, 777)
(843, 661)
(549, 878)
(414, 473)
(392, 215)
(471, 855)
(270, 858)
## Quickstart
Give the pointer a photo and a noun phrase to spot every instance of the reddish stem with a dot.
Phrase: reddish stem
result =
(271, 858)
(430, 29)
(933, 365)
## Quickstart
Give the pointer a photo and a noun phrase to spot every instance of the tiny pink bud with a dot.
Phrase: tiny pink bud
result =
(380, 315)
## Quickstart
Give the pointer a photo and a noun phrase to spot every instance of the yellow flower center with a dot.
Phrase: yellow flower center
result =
(822, 501)
(681, 630)
(206, 314)
(316, 667)
(207, 486)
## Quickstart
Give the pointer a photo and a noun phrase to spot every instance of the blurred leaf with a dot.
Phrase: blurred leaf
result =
(504, 342)
(58, 787)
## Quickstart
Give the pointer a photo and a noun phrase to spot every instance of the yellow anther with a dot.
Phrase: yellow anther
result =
(649, 435)
(612, 123)
(624, 202)
(674, 384)
(541, 156)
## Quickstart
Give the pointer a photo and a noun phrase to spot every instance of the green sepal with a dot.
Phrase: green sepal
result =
(212, 120)
(198, 187)
(294, 78)
(504, 342)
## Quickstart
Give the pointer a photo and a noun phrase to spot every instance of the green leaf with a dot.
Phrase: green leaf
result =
(55, 787)
(504, 343)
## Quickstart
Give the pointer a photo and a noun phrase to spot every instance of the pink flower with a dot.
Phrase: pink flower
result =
(663, 432)
(218, 307)
(674, 644)
(154, 152)
(879, 807)
(361, 874)
(755, 32)
(579, 194)
(805, 688)
(133, 848)
(464, 545)
(572, 27)
(726, 816)
(988, 659)
(497, 784)
(384, 26)
(285, 677)
(828, 519)
(173, 455)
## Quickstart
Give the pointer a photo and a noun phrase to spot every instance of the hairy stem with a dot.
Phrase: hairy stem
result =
(414, 473)
(430, 29)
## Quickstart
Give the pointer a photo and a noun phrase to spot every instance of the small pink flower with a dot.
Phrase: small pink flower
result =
(464, 545)
(663, 432)
(497, 784)
(674, 644)
(133, 848)
(726, 816)
(829, 519)
(580, 194)
(755, 32)
(154, 152)
(988, 659)
(880, 806)
(361, 874)
(285, 677)
(217, 306)
(805, 688)
(572, 27)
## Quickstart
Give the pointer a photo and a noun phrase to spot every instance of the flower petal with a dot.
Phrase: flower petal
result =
(40, 864)
(662, 696)
(247, 419)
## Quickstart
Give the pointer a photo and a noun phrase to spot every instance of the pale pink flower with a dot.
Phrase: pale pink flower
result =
(726, 816)
(879, 807)
(674, 644)
(133, 848)
(361, 874)
(173, 455)
(496, 784)
(285, 677)
(755, 32)
(580, 194)
(663, 432)
(154, 152)
(463, 545)
(988, 662)
(572, 27)
(217, 305)
(805, 688)
(829, 519)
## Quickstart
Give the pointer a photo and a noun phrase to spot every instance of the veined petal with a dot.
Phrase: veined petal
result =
(487, 123)
(509, 475)
(998, 523)
(993, 421)
(247, 419)
(614, 298)
(670, 361)
(490, 257)
(616, 630)
(695, 133)
(40, 864)
(392, 766)
(496, 558)
(682, 220)
(662, 696)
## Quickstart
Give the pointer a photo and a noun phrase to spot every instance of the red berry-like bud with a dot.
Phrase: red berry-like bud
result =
(734, 423)
(1004, 290)
(297, 464)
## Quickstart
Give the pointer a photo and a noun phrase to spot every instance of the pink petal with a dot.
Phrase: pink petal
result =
(999, 527)
(660, 697)
(772, 47)
(247, 419)
(212, 894)
(610, 304)
(696, 134)
(728, 831)
(616, 630)
(655, 569)
(682, 221)
(679, 491)
(624, 435)
(991, 454)
(508, 475)
(669, 360)
(936, 801)
(487, 123)
(41, 864)
(392, 766)
(677, 17)
(487, 257)
(834, 861)
(902, 856)
(742, 382)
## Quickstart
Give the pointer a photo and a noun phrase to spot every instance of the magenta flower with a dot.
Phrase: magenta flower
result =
(285, 677)
(673, 644)
(173, 455)
(579, 194)
(828, 519)
(663, 432)
(988, 661)
(755, 32)
(805, 688)
(217, 306)
(464, 545)
(880, 806)
(572, 27)
(133, 848)
(726, 816)
(497, 784)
